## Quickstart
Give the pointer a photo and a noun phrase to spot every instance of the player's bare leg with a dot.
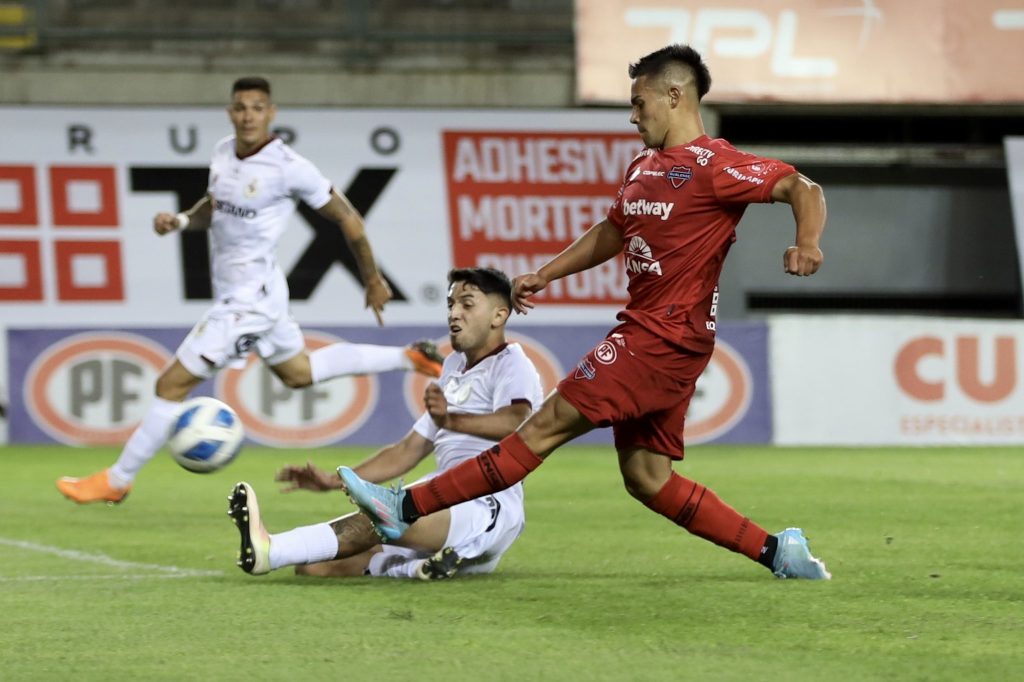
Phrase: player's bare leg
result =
(350, 567)
(113, 484)
(347, 359)
(649, 477)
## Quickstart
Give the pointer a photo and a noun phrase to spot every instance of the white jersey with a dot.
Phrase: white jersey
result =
(481, 530)
(497, 381)
(254, 197)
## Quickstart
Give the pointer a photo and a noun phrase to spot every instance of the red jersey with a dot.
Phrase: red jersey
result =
(677, 210)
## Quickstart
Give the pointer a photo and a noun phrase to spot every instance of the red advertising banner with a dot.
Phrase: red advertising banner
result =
(517, 198)
(893, 51)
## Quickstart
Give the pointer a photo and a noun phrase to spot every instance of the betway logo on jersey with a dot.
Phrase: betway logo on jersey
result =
(639, 258)
(644, 207)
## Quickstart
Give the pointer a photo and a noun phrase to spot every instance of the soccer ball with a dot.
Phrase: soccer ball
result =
(206, 436)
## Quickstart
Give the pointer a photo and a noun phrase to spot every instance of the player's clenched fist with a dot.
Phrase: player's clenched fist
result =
(164, 223)
(802, 260)
(525, 286)
(436, 404)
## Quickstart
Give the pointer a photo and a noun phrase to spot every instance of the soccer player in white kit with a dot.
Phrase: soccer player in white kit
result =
(487, 388)
(255, 183)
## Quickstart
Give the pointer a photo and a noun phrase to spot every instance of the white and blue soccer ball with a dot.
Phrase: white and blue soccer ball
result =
(206, 435)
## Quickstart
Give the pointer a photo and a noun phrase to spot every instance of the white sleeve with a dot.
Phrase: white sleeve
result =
(516, 379)
(426, 427)
(306, 182)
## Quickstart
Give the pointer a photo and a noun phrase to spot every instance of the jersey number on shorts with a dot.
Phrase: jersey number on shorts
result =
(495, 510)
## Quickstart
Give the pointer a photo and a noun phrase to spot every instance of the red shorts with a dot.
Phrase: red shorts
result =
(640, 385)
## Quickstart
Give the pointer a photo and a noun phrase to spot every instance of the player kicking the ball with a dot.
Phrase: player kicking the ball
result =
(673, 221)
(487, 388)
(255, 182)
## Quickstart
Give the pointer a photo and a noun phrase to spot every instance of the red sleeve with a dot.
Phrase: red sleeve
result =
(747, 179)
(614, 211)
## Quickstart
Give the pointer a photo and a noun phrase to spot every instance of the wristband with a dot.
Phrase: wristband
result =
(181, 221)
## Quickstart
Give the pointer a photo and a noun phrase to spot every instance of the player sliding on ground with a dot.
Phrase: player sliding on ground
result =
(674, 220)
(487, 388)
(255, 182)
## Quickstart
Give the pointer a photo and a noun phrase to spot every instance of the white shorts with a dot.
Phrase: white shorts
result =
(481, 532)
(233, 328)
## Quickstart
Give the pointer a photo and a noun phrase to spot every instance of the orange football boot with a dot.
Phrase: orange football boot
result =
(94, 488)
(425, 358)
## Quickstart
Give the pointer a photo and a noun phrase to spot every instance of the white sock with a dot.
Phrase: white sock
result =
(303, 545)
(145, 441)
(343, 359)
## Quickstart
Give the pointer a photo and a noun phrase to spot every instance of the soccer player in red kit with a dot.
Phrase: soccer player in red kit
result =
(674, 220)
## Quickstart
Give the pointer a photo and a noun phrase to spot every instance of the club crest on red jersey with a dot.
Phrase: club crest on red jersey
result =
(679, 175)
(585, 370)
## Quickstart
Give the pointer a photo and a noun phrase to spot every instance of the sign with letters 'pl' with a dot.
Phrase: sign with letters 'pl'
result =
(934, 51)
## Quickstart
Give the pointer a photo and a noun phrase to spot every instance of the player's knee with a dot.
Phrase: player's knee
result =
(296, 380)
(642, 483)
(638, 489)
(294, 373)
(172, 388)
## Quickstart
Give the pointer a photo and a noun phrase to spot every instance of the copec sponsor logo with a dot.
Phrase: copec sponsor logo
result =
(548, 367)
(309, 417)
(723, 396)
(93, 388)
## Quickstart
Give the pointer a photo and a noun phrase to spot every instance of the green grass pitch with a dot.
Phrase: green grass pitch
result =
(925, 546)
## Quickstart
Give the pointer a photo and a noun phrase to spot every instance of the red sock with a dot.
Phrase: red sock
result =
(492, 470)
(703, 513)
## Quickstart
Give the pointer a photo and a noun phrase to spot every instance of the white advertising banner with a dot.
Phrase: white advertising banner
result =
(1015, 172)
(896, 381)
(79, 188)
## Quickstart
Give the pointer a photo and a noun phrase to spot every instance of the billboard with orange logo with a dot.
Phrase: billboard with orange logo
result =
(92, 387)
(896, 381)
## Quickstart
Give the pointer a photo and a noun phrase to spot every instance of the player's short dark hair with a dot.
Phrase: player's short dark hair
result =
(251, 83)
(654, 63)
(487, 280)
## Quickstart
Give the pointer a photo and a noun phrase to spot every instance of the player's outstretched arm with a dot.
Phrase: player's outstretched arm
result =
(339, 211)
(598, 244)
(387, 463)
(808, 202)
(196, 218)
(307, 477)
(396, 459)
